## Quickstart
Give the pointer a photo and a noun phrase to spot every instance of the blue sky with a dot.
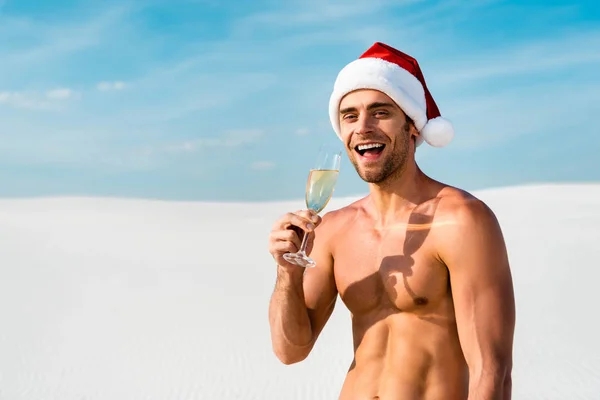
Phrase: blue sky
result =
(227, 101)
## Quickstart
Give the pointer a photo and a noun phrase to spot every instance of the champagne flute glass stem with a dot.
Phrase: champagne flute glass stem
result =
(304, 243)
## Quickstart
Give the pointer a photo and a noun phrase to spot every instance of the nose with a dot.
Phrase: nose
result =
(364, 124)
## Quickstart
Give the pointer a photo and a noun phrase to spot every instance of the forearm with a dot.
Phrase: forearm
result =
(291, 331)
(493, 385)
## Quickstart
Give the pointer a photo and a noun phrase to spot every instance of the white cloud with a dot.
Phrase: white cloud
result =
(36, 100)
(27, 100)
(184, 147)
(60, 94)
(229, 139)
(142, 158)
(302, 131)
(263, 165)
(107, 86)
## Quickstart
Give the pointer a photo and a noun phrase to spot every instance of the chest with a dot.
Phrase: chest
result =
(395, 269)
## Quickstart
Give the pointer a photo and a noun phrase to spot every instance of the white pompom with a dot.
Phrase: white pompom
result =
(438, 132)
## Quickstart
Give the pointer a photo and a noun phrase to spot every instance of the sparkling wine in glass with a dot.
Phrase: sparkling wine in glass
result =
(319, 189)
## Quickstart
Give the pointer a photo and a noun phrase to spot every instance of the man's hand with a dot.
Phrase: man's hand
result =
(287, 233)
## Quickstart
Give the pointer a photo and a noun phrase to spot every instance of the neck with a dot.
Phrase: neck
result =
(400, 192)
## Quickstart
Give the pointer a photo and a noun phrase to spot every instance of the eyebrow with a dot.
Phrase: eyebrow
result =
(370, 107)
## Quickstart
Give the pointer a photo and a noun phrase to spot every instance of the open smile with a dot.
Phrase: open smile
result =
(369, 151)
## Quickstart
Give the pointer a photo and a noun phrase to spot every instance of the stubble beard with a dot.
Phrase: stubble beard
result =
(393, 165)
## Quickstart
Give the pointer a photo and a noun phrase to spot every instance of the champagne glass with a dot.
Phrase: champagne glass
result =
(319, 189)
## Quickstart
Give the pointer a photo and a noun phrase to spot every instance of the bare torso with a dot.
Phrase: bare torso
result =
(406, 344)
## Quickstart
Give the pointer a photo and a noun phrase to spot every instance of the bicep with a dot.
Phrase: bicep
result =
(482, 288)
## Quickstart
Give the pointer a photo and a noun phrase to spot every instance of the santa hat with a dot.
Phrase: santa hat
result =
(398, 75)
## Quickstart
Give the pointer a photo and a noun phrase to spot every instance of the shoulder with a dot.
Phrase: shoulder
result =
(464, 223)
(335, 222)
(459, 209)
(344, 214)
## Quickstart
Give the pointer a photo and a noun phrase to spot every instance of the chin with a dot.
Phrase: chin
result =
(380, 173)
(373, 175)
(372, 178)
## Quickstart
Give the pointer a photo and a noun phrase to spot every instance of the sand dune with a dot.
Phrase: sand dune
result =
(105, 299)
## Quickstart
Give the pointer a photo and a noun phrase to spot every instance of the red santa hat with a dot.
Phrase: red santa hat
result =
(398, 75)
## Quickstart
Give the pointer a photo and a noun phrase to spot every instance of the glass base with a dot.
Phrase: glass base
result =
(300, 259)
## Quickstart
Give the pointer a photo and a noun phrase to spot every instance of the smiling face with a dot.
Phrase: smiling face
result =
(377, 134)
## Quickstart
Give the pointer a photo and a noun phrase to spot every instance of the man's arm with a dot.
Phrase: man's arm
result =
(303, 301)
(475, 253)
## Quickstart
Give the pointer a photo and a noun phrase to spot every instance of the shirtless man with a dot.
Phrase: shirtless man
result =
(421, 266)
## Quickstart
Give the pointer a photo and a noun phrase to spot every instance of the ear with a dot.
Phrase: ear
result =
(412, 130)
(413, 135)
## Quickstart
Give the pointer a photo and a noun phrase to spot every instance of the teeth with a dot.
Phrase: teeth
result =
(369, 146)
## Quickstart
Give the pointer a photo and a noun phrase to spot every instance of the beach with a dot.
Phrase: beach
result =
(108, 298)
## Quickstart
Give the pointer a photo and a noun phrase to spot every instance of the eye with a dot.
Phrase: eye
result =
(381, 113)
(349, 116)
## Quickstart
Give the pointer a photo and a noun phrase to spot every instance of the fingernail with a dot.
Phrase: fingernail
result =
(310, 227)
(315, 218)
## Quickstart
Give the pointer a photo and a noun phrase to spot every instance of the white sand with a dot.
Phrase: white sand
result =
(106, 299)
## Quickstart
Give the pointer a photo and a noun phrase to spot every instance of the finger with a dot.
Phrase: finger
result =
(292, 219)
(310, 215)
(286, 235)
(282, 247)
(283, 222)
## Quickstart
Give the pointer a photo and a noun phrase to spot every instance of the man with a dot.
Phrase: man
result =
(421, 266)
